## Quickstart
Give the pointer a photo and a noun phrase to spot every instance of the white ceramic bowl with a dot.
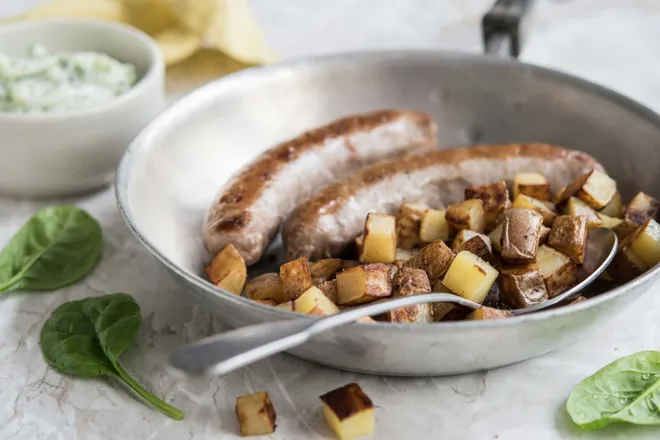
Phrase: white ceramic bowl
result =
(63, 153)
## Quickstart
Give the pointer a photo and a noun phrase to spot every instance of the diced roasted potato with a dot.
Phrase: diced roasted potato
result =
(296, 278)
(434, 259)
(496, 237)
(546, 211)
(228, 270)
(470, 277)
(469, 214)
(545, 233)
(520, 235)
(569, 236)
(533, 185)
(314, 302)
(266, 286)
(407, 282)
(614, 208)
(266, 302)
(478, 244)
(609, 222)
(440, 310)
(559, 272)
(256, 414)
(595, 188)
(434, 226)
(403, 255)
(624, 229)
(379, 239)
(626, 265)
(575, 206)
(324, 270)
(641, 208)
(495, 198)
(408, 220)
(645, 242)
(329, 289)
(348, 411)
(521, 287)
(485, 313)
(364, 284)
(286, 306)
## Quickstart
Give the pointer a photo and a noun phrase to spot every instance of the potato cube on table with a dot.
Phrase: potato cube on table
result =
(348, 411)
(256, 414)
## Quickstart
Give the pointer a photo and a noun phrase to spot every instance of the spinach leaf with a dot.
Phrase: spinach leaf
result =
(58, 246)
(627, 390)
(85, 338)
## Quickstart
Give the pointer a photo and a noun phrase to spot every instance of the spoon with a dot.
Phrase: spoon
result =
(228, 351)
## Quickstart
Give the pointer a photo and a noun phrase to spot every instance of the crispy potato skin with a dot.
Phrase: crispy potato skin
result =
(564, 274)
(377, 278)
(266, 286)
(569, 236)
(347, 401)
(408, 222)
(435, 258)
(641, 208)
(521, 287)
(329, 289)
(409, 281)
(494, 196)
(469, 214)
(520, 236)
(324, 270)
(296, 278)
(479, 244)
(533, 185)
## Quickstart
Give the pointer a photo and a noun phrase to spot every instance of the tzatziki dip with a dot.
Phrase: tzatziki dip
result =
(43, 82)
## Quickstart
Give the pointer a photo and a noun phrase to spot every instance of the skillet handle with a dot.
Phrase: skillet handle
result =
(502, 27)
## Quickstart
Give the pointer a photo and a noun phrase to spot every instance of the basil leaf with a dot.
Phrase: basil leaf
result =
(627, 390)
(58, 246)
(85, 339)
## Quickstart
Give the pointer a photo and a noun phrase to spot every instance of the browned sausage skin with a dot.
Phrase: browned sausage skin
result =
(251, 206)
(326, 223)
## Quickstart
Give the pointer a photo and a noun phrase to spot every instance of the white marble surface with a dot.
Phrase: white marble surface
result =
(599, 39)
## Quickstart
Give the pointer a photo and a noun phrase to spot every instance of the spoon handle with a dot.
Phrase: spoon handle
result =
(234, 349)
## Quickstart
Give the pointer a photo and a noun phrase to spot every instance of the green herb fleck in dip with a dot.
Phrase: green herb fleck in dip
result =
(42, 82)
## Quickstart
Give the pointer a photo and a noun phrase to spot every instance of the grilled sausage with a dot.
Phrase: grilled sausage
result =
(251, 206)
(326, 224)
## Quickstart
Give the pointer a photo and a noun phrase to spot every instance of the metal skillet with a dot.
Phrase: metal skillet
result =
(171, 172)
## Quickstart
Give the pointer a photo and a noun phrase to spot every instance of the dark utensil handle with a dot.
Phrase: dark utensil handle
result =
(502, 27)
